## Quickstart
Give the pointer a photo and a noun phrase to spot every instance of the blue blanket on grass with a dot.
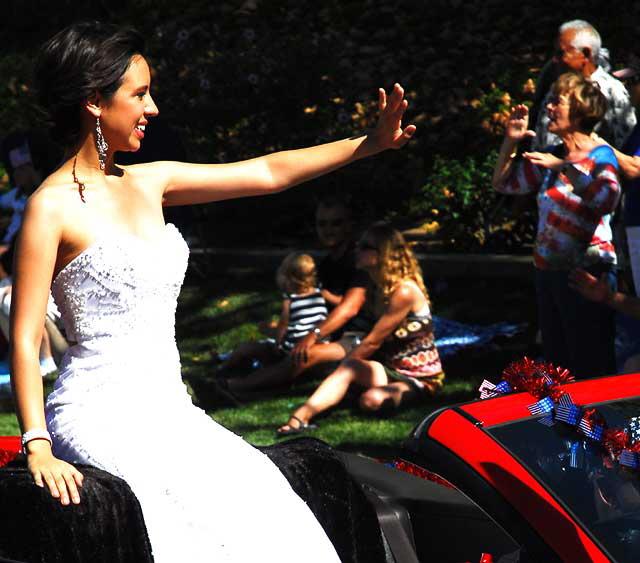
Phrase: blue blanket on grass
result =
(5, 383)
(452, 336)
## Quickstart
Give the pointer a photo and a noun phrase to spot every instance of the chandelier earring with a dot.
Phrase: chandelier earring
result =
(101, 145)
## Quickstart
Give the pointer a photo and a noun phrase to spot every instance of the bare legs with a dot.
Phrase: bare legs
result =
(332, 390)
(244, 354)
(285, 370)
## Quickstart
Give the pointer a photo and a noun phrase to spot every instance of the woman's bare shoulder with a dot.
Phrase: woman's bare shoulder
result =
(149, 176)
(155, 171)
(406, 290)
(55, 195)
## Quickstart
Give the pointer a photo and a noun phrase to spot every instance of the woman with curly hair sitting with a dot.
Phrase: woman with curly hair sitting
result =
(398, 359)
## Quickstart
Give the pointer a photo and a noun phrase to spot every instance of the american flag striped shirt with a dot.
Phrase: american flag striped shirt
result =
(574, 220)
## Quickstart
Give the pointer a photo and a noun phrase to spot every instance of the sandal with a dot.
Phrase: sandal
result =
(293, 430)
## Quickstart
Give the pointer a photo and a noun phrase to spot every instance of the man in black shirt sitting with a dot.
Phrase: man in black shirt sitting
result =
(344, 288)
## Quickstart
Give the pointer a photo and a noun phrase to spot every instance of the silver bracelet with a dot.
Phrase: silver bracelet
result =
(35, 434)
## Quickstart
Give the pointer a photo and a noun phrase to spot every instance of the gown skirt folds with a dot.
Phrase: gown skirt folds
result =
(119, 404)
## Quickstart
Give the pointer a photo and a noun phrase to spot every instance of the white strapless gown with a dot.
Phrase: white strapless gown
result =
(120, 404)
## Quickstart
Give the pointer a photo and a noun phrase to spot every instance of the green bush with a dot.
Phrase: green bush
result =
(236, 79)
(459, 206)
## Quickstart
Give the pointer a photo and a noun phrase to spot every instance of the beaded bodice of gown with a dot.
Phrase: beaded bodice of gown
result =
(118, 301)
(122, 285)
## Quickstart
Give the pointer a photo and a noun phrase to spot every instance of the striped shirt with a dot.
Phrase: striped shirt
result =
(305, 313)
(574, 220)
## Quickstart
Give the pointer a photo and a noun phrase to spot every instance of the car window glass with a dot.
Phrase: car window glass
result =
(602, 495)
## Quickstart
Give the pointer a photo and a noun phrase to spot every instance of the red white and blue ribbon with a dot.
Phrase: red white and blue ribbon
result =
(544, 382)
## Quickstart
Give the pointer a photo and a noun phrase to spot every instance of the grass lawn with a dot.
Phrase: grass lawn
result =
(218, 318)
(216, 315)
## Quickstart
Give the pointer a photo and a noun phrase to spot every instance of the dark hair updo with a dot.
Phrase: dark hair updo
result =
(77, 62)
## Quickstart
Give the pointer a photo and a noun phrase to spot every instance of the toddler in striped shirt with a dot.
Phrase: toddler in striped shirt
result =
(303, 308)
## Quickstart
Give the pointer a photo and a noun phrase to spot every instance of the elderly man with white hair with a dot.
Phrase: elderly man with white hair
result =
(578, 50)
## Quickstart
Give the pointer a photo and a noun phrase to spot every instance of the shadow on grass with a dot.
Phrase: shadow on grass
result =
(345, 427)
(255, 312)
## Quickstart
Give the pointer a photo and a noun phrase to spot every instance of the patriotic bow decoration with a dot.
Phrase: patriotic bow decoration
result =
(543, 381)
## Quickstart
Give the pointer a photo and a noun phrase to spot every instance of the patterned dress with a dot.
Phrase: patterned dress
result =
(410, 353)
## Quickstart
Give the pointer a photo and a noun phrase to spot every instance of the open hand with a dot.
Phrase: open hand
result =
(518, 123)
(300, 352)
(590, 287)
(62, 478)
(389, 133)
(544, 159)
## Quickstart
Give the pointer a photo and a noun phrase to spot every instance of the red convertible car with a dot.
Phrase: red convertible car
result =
(492, 477)
(513, 478)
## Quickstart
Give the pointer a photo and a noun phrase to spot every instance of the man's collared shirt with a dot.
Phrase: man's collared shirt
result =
(617, 124)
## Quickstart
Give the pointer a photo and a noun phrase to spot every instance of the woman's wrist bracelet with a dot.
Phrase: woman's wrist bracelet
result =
(35, 434)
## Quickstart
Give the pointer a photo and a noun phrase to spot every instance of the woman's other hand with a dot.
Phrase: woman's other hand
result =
(544, 159)
(590, 287)
(517, 127)
(62, 479)
(389, 133)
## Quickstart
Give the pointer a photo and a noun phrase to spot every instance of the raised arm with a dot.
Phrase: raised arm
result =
(35, 260)
(201, 183)
(511, 176)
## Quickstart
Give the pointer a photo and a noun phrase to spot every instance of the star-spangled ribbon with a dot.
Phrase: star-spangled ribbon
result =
(544, 405)
(566, 411)
(488, 389)
(594, 432)
(544, 382)
(575, 458)
(628, 458)
(503, 387)
(634, 428)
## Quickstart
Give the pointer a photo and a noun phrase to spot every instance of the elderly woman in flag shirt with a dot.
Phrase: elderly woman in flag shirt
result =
(577, 188)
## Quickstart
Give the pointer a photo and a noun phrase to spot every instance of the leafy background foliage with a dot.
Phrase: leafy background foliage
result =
(236, 79)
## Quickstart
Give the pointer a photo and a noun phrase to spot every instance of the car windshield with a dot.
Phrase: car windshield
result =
(603, 496)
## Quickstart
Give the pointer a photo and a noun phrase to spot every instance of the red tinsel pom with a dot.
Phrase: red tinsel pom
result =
(615, 440)
(593, 417)
(555, 393)
(562, 375)
(518, 372)
(536, 378)
(537, 385)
